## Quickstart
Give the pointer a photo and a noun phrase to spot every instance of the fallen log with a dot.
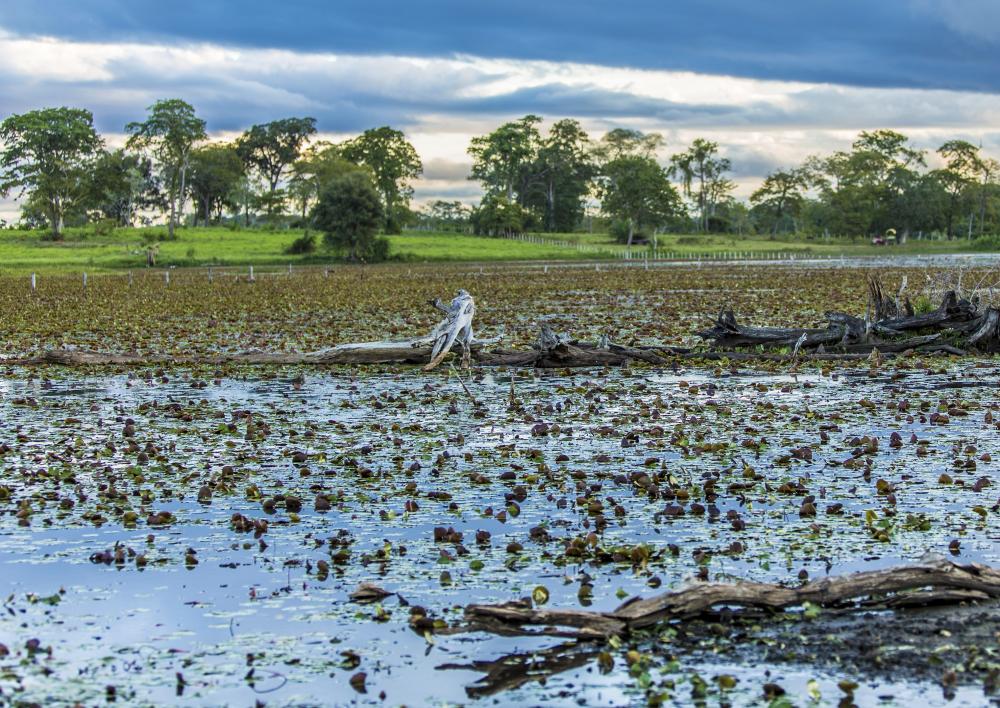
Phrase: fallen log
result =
(955, 326)
(411, 351)
(932, 580)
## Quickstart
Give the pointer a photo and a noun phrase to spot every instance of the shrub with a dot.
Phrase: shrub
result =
(349, 213)
(104, 227)
(619, 230)
(991, 243)
(306, 243)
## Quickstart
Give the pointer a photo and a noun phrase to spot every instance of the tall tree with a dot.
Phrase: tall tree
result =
(121, 184)
(393, 162)
(46, 155)
(320, 163)
(702, 176)
(272, 147)
(216, 171)
(988, 173)
(561, 175)
(170, 132)
(780, 196)
(960, 176)
(637, 191)
(626, 142)
(500, 158)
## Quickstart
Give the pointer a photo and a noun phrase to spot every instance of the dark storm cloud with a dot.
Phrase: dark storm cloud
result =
(890, 43)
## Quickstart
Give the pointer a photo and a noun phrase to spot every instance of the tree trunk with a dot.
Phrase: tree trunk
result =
(180, 196)
(551, 198)
(631, 231)
(56, 219)
(173, 213)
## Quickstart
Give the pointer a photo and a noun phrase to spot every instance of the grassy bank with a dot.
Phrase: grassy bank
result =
(22, 251)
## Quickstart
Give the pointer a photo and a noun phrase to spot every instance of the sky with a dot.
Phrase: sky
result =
(772, 81)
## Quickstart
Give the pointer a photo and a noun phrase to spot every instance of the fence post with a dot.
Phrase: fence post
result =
(166, 277)
(84, 280)
(251, 274)
(32, 282)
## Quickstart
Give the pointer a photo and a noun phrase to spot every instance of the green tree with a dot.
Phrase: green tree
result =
(121, 184)
(500, 159)
(393, 162)
(780, 197)
(270, 148)
(702, 176)
(497, 215)
(216, 171)
(319, 164)
(626, 142)
(960, 179)
(46, 155)
(243, 198)
(560, 177)
(170, 132)
(637, 191)
(349, 212)
(447, 215)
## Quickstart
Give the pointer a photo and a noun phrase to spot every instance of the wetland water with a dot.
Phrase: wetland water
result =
(126, 576)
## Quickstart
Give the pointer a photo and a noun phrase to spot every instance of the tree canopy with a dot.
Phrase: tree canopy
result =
(393, 162)
(47, 155)
(637, 191)
(170, 132)
(349, 213)
(270, 148)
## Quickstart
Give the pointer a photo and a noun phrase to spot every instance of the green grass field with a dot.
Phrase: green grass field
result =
(82, 250)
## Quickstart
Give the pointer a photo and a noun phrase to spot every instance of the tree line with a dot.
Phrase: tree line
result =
(545, 182)
(57, 163)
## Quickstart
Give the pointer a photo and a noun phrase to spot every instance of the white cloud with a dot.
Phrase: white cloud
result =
(442, 102)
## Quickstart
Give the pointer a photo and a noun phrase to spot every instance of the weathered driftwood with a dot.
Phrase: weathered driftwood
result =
(955, 326)
(456, 326)
(412, 351)
(932, 580)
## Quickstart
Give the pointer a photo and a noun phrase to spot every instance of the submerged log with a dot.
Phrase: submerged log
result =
(932, 580)
(553, 351)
